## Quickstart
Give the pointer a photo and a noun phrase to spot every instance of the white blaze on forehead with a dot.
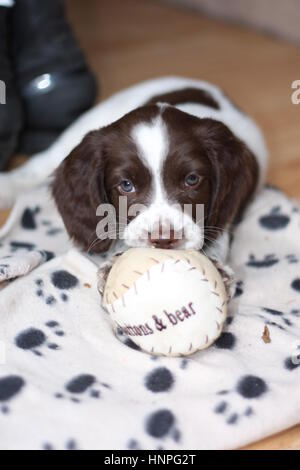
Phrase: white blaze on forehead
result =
(152, 143)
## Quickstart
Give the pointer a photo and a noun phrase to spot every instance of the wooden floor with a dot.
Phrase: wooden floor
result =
(131, 40)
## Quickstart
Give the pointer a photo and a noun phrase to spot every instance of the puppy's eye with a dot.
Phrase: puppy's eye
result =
(192, 180)
(126, 186)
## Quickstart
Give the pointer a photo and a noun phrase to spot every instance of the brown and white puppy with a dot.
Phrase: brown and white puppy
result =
(186, 145)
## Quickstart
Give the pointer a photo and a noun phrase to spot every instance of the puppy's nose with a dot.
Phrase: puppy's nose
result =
(164, 242)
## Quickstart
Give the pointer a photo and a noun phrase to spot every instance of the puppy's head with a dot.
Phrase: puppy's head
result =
(172, 180)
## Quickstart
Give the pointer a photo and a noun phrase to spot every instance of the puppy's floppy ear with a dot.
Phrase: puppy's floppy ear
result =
(234, 172)
(78, 189)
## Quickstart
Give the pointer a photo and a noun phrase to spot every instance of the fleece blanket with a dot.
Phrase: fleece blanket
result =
(66, 382)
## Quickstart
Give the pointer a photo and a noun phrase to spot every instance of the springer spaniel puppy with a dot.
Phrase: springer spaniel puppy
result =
(184, 144)
(161, 144)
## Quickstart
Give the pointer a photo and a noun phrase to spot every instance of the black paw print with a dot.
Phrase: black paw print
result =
(282, 318)
(239, 289)
(275, 220)
(34, 339)
(266, 262)
(19, 245)
(83, 386)
(28, 220)
(248, 388)
(295, 284)
(70, 444)
(54, 231)
(10, 386)
(159, 380)
(227, 340)
(184, 363)
(162, 424)
(292, 259)
(295, 312)
(50, 230)
(63, 281)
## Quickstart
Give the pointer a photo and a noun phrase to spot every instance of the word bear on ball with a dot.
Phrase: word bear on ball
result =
(169, 302)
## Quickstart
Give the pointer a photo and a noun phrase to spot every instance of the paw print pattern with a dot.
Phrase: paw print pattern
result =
(63, 281)
(282, 319)
(292, 259)
(83, 386)
(295, 312)
(10, 387)
(184, 363)
(275, 220)
(248, 388)
(19, 245)
(159, 380)
(227, 340)
(161, 424)
(54, 231)
(70, 444)
(295, 284)
(35, 340)
(50, 230)
(266, 262)
(239, 289)
(28, 220)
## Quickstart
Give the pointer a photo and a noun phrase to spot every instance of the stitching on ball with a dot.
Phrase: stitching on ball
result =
(215, 293)
(220, 310)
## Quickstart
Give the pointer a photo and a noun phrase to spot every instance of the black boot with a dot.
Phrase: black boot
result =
(54, 80)
(10, 105)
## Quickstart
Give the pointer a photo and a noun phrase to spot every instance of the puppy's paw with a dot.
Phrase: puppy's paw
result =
(228, 277)
(104, 271)
(18, 265)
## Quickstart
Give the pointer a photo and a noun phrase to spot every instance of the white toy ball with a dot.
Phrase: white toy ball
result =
(169, 302)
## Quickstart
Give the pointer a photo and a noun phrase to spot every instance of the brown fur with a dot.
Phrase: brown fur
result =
(90, 175)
